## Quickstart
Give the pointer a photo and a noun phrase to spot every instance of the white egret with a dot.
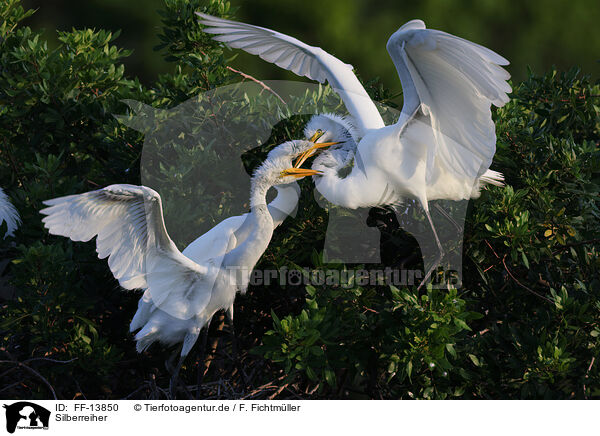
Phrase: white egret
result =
(156, 324)
(8, 214)
(183, 290)
(443, 143)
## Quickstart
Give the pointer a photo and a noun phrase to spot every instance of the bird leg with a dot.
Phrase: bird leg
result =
(175, 378)
(234, 349)
(439, 244)
(201, 357)
(174, 371)
(440, 209)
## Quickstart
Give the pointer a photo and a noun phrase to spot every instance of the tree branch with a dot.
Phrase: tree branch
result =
(264, 86)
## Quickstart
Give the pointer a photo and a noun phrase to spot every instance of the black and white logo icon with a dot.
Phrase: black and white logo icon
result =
(26, 415)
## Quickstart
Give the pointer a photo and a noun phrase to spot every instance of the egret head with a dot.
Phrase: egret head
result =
(278, 168)
(290, 148)
(329, 128)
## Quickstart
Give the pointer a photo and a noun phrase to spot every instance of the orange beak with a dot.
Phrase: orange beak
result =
(312, 151)
(300, 172)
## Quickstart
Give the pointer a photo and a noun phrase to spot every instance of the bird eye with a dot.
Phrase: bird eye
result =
(319, 131)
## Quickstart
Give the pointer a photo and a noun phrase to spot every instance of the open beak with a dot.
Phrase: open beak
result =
(312, 150)
(300, 172)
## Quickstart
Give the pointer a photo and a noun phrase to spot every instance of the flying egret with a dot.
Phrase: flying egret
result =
(8, 214)
(443, 143)
(183, 290)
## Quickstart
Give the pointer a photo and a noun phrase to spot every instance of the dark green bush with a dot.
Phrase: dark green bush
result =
(525, 323)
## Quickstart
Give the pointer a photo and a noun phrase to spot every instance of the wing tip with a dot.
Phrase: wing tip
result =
(413, 25)
(204, 16)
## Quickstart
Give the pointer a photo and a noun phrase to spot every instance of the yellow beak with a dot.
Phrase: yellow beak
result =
(312, 150)
(300, 172)
(316, 136)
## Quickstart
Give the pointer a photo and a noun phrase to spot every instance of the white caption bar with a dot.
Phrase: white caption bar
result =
(249, 417)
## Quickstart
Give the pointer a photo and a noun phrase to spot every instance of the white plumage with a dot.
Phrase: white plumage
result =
(183, 290)
(300, 58)
(443, 143)
(8, 214)
(157, 325)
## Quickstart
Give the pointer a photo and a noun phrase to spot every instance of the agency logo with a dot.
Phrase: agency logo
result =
(26, 415)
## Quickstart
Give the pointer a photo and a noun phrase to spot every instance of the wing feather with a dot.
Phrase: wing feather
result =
(128, 223)
(8, 214)
(300, 58)
(453, 82)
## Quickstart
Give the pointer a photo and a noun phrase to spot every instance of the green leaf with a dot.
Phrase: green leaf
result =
(330, 377)
(474, 359)
(451, 350)
(460, 323)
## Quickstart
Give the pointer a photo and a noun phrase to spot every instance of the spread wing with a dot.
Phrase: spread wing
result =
(451, 83)
(8, 214)
(217, 242)
(130, 230)
(300, 58)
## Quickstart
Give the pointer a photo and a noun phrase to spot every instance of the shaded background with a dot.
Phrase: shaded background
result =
(536, 33)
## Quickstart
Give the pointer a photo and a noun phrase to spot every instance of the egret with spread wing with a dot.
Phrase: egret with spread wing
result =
(443, 143)
(8, 214)
(156, 324)
(183, 289)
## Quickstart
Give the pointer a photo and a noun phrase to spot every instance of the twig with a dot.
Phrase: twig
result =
(522, 285)
(258, 390)
(50, 360)
(264, 86)
(17, 383)
(313, 390)
(493, 251)
(268, 385)
(80, 390)
(34, 372)
(575, 244)
(294, 394)
(587, 375)
(135, 392)
(369, 310)
(489, 268)
(278, 391)
(7, 371)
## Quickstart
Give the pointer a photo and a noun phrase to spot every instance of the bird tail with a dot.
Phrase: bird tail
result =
(492, 178)
(145, 338)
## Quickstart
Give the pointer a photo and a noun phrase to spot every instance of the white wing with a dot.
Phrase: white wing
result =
(453, 82)
(300, 58)
(9, 214)
(130, 230)
(231, 232)
(217, 241)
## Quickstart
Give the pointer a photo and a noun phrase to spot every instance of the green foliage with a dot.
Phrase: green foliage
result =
(58, 136)
(525, 323)
(349, 331)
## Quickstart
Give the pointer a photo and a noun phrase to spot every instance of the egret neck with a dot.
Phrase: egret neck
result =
(259, 225)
